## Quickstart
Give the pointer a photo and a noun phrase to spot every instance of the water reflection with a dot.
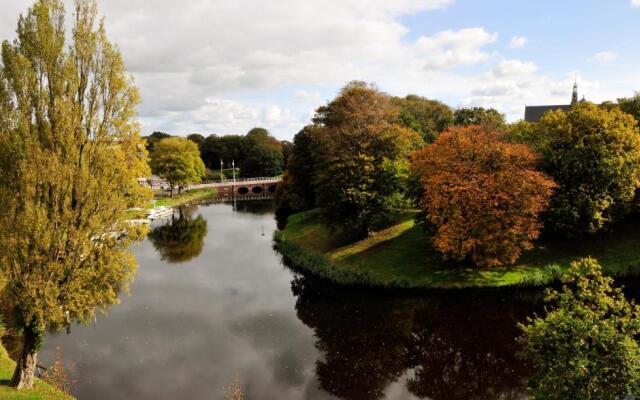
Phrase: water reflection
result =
(444, 346)
(182, 238)
(237, 312)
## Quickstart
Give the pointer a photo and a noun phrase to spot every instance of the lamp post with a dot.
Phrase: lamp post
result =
(233, 186)
(221, 173)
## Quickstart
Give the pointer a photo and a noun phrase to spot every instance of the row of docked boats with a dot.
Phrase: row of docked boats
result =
(158, 213)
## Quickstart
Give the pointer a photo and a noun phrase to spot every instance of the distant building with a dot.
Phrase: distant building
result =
(534, 113)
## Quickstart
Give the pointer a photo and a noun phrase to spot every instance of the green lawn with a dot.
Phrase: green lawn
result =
(41, 391)
(401, 256)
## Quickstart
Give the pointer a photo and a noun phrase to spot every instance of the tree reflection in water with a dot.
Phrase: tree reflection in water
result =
(182, 239)
(449, 346)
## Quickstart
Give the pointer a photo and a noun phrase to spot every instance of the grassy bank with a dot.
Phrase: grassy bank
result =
(401, 256)
(185, 197)
(41, 390)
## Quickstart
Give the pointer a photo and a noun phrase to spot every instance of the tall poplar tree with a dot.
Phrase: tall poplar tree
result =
(70, 156)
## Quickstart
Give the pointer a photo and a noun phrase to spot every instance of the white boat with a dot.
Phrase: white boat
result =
(159, 213)
(136, 222)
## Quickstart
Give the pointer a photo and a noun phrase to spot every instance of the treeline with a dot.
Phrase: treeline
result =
(255, 154)
(487, 189)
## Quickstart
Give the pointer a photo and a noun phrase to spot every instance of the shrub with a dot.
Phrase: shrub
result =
(585, 346)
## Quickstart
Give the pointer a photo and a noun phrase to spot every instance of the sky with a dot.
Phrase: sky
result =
(225, 66)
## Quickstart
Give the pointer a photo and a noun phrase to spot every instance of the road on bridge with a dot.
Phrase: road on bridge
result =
(241, 186)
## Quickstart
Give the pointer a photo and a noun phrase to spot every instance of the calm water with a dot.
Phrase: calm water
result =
(212, 303)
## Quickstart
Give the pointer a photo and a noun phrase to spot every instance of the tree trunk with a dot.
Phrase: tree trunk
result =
(26, 364)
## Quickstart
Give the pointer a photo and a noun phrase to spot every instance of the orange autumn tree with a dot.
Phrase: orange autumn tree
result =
(482, 194)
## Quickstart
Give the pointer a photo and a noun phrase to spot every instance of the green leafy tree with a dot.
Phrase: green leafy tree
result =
(631, 105)
(594, 155)
(305, 160)
(154, 138)
(196, 138)
(363, 160)
(70, 157)
(228, 149)
(262, 154)
(427, 117)
(585, 347)
(177, 160)
(487, 117)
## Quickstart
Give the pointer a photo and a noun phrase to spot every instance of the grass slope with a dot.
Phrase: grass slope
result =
(401, 256)
(41, 390)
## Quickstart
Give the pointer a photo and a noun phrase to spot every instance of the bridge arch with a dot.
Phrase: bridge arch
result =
(243, 190)
(257, 189)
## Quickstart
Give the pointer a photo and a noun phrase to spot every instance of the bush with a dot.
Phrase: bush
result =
(585, 347)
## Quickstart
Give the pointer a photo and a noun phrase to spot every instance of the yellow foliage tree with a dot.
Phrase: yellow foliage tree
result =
(70, 156)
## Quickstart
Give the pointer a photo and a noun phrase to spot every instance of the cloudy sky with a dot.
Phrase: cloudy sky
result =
(224, 66)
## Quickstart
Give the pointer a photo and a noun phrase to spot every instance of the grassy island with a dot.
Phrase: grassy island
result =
(400, 256)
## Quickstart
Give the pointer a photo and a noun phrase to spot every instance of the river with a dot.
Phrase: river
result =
(212, 303)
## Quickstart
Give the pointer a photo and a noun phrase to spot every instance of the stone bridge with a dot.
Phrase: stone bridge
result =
(263, 186)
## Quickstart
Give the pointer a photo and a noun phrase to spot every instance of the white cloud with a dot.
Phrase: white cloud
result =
(635, 3)
(514, 68)
(605, 56)
(307, 96)
(226, 66)
(519, 41)
(449, 48)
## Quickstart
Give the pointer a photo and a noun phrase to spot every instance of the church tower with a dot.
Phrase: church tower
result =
(574, 96)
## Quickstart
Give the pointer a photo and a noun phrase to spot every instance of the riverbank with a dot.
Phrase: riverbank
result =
(40, 391)
(401, 257)
(185, 197)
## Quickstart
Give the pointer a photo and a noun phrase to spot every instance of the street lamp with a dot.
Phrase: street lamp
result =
(233, 166)
(221, 173)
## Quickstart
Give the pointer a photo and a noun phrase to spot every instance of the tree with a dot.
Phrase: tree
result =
(196, 138)
(482, 194)
(262, 154)
(182, 239)
(631, 105)
(227, 149)
(585, 347)
(154, 138)
(427, 117)
(287, 149)
(259, 132)
(363, 160)
(70, 157)
(177, 160)
(488, 117)
(594, 155)
(305, 160)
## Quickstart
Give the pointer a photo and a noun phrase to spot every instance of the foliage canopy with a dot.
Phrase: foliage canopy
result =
(593, 154)
(483, 195)
(177, 160)
(70, 156)
(585, 346)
